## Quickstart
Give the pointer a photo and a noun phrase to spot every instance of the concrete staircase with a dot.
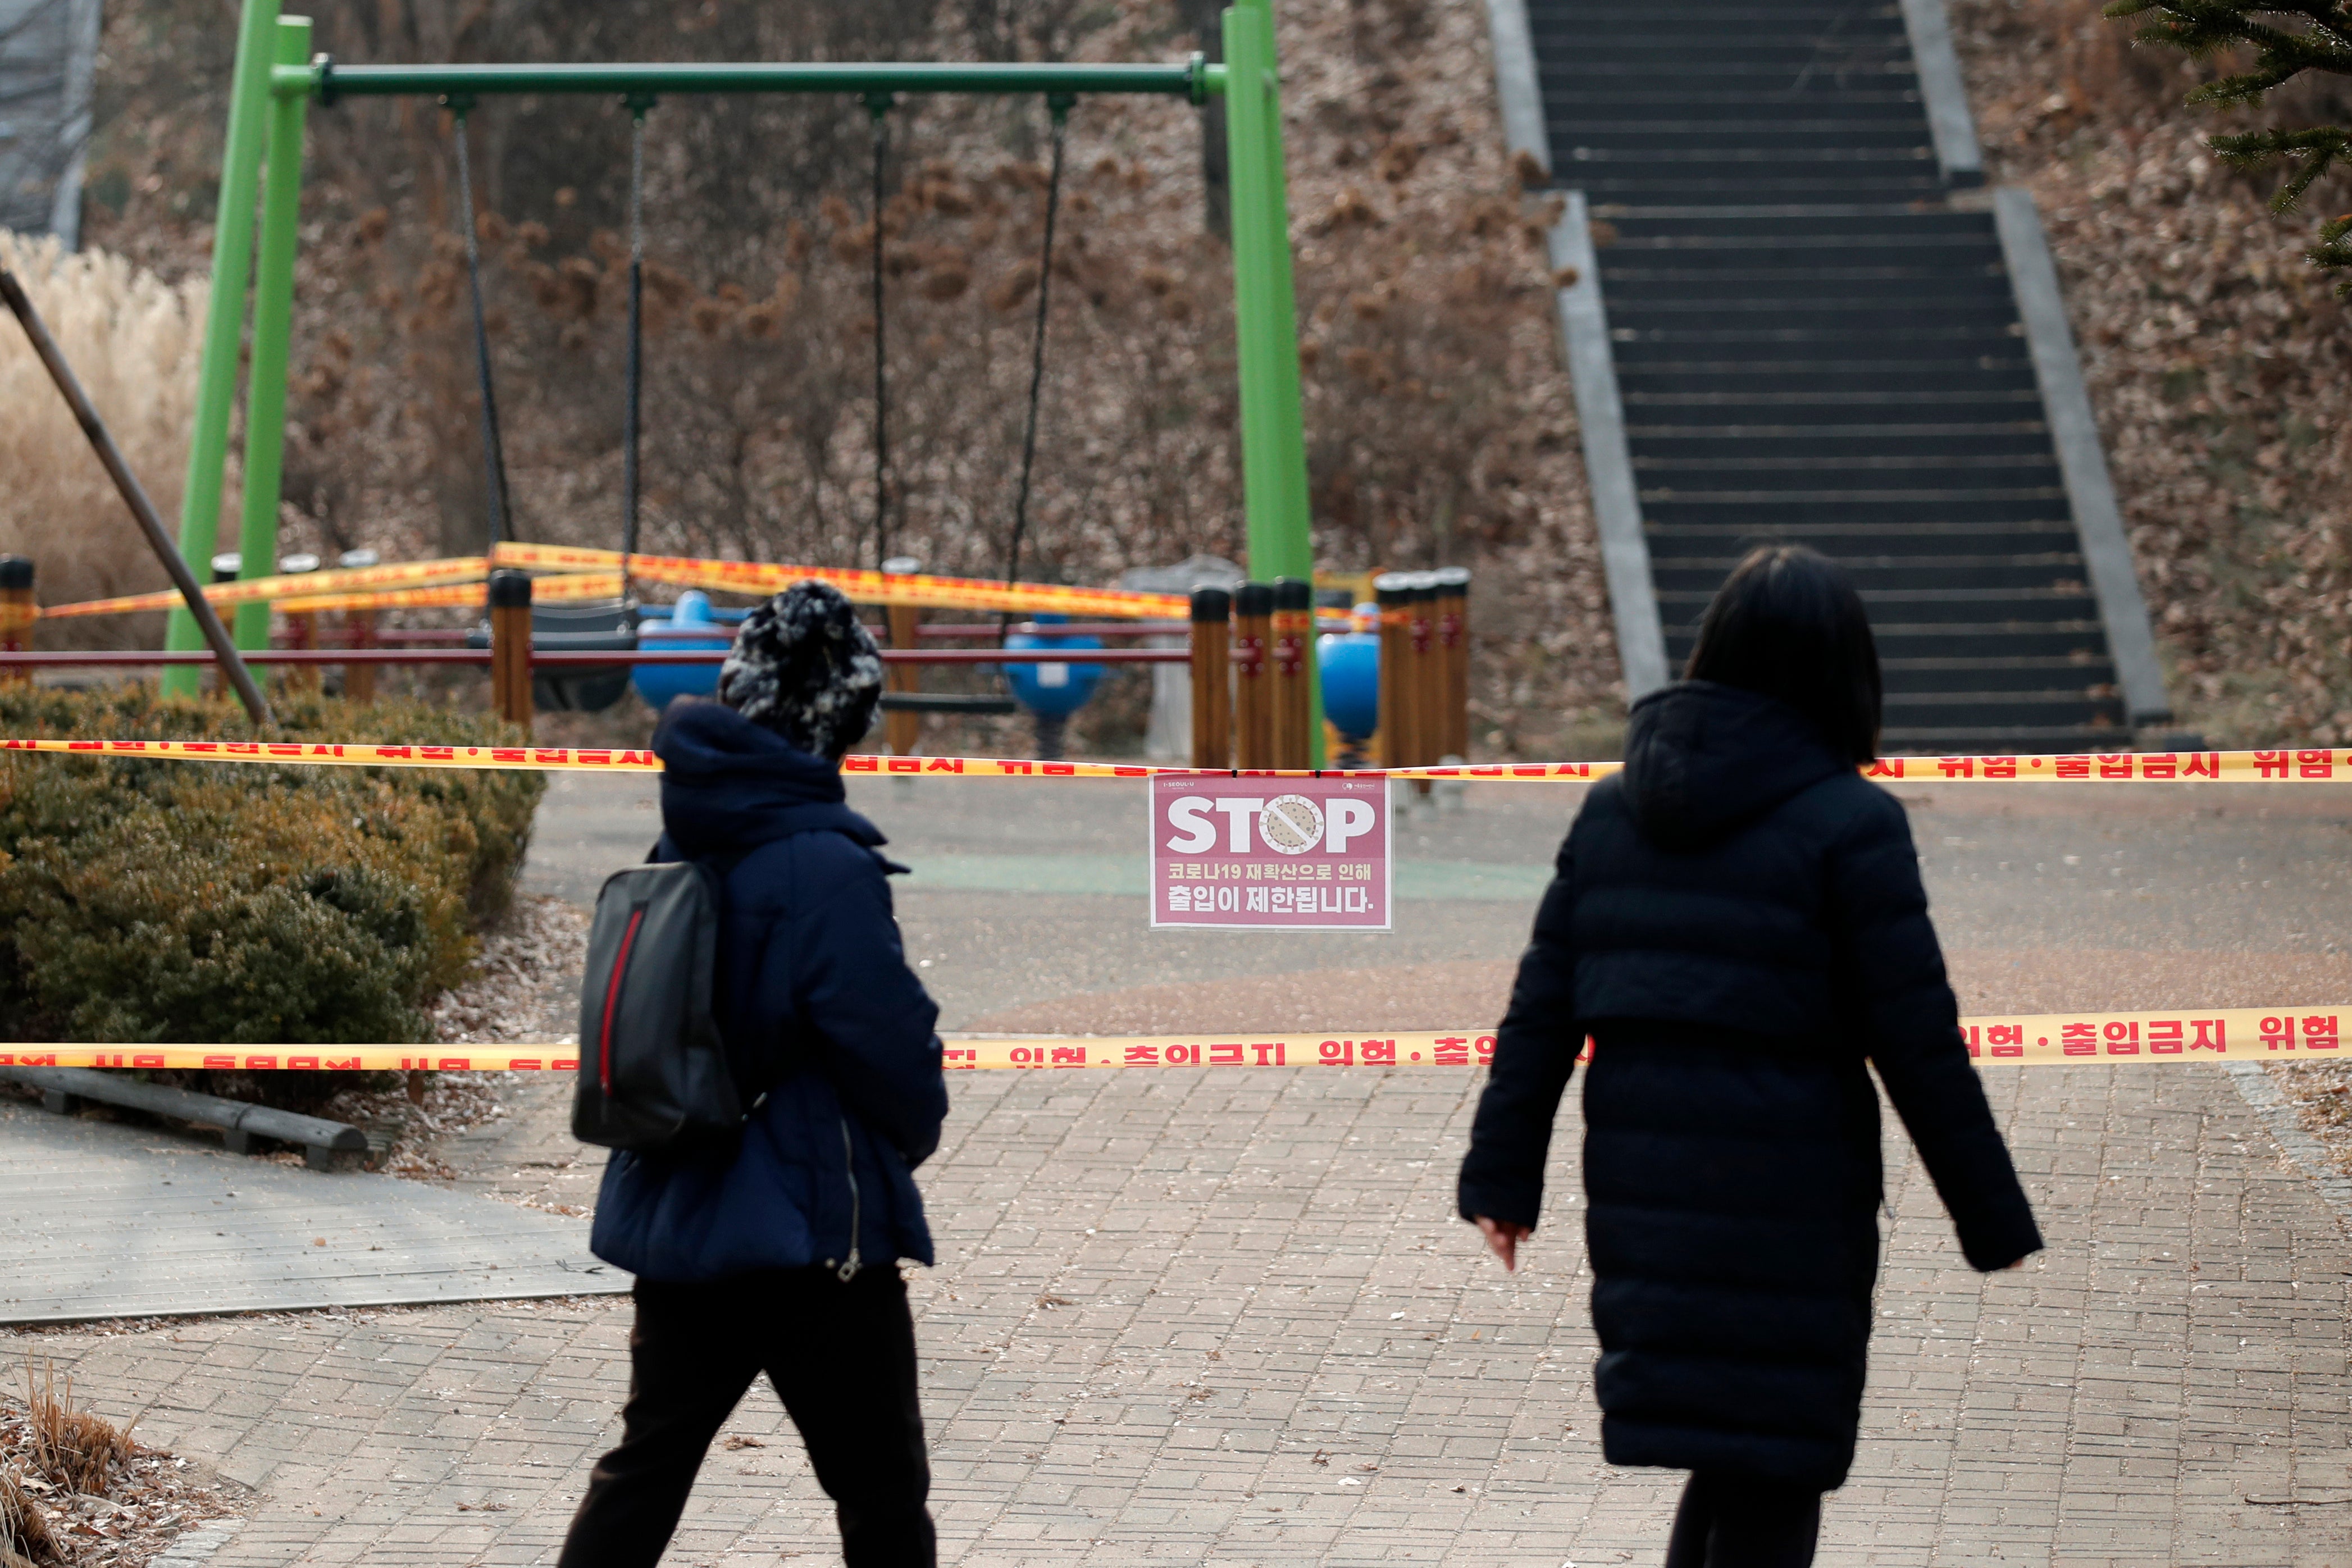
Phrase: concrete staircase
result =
(1812, 342)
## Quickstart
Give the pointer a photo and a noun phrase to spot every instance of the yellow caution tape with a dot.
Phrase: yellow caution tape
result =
(911, 589)
(566, 589)
(336, 753)
(342, 579)
(2281, 766)
(2042, 1039)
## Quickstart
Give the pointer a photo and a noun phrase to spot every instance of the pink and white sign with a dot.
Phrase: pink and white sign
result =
(1275, 854)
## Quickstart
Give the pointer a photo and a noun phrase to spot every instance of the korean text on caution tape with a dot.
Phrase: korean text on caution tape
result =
(2173, 1037)
(2282, 766)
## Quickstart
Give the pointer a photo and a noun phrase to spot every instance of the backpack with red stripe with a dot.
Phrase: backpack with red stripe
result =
(653, 1076)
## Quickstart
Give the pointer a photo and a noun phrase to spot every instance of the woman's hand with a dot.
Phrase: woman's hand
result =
(1503, 1239)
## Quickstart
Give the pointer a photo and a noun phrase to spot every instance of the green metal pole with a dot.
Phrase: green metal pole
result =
(1265, 319)
(224, 320)
(273, 314)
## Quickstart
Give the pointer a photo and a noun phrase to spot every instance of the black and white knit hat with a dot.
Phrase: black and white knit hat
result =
(804, 665)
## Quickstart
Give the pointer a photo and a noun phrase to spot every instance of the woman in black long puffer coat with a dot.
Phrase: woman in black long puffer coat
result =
(1738, 923)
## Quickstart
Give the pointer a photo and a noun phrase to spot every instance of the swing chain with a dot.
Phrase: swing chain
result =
(878, 105)
(1058, 105)
(637, 103)
(493, 452)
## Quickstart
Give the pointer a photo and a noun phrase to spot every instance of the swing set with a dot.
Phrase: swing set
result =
(277, 77)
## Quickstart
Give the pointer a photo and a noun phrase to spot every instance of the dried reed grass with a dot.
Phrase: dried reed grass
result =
(133, 341)
(26, 1538)
(76, 1449)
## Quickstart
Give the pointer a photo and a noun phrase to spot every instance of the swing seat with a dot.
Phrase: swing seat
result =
(609, 627)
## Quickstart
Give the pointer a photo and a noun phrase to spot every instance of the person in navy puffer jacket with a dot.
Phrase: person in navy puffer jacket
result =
(1736, 923)
(781, 1254)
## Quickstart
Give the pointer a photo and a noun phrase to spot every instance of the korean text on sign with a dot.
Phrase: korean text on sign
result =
(1278, 854)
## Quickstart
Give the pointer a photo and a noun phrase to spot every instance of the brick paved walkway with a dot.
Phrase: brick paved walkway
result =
(1229, 1318)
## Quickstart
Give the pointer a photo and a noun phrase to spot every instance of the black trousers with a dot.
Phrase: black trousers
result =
(842, 1358)
(1735, 1521)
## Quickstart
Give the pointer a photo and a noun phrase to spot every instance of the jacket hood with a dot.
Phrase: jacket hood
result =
(729, 785)
(1703, 759)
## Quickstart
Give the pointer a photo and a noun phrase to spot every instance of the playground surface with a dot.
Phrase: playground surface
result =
(1229, 1317)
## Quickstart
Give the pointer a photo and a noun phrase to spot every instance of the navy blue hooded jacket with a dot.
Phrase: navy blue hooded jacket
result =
(811, 974)
(1737, 920)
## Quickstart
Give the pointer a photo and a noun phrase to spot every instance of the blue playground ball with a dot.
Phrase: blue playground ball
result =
(1055, 690)
(690, 622)
(1350, 664)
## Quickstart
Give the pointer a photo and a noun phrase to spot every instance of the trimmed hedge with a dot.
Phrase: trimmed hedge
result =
(240, 902)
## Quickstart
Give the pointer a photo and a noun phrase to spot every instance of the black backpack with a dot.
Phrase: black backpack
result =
(654, 1075)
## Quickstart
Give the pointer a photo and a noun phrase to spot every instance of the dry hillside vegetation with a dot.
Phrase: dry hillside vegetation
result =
(1439, 421)
(132, 340)
(2220, 362)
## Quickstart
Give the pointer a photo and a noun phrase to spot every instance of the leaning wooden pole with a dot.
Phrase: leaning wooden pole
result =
(134, 496)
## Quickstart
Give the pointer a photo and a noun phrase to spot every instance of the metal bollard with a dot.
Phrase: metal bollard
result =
(1213, 695)
(1389, 591)
(1454, 649)
(1252, 685)
(359, 632)
(18, 614)
(1293, 627)
(902, 731)
(510, 647)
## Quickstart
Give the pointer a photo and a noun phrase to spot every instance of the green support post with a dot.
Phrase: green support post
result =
(200, 503)
(273, 317)
(1265, 320)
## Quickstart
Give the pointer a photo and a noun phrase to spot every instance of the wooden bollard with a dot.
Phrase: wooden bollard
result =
(1292, 644)
(510, 647)
(18, 614)
(359, 632)
(1428, 681)
(301, 626)
(1213, 693)
(902, 731)
(1389, 591)
(1253, 683)
(1454, 649)
(225, 567)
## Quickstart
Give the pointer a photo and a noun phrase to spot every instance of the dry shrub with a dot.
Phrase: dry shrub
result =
(26, 1537)
(132, 341)
(78, 1450)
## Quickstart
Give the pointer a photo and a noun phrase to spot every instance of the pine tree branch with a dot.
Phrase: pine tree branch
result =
(2202, 28)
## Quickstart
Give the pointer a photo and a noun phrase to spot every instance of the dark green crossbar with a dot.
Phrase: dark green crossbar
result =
(1194, 79)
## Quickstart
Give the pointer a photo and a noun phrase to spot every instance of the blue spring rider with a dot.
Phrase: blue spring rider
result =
(1350, 666)
(690, 622)
(1052, 691)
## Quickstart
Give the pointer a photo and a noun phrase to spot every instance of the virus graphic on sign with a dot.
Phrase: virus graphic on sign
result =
(1291, 824)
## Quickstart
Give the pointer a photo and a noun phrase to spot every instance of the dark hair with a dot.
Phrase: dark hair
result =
(1788, 624)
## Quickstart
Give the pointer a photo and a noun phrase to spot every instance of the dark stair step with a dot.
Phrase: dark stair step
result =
(2057, 673)
(1789, 512)
(1731, 540)
(1745, 315)
(1733, 442)
(1830, 385)
(1703, 575)
(1931, 355)
(1819, 227)
(1959, 640)
(1889, 407)
(1906, 134)
(1874, 287)
(1736, 190)
(1566, 98)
